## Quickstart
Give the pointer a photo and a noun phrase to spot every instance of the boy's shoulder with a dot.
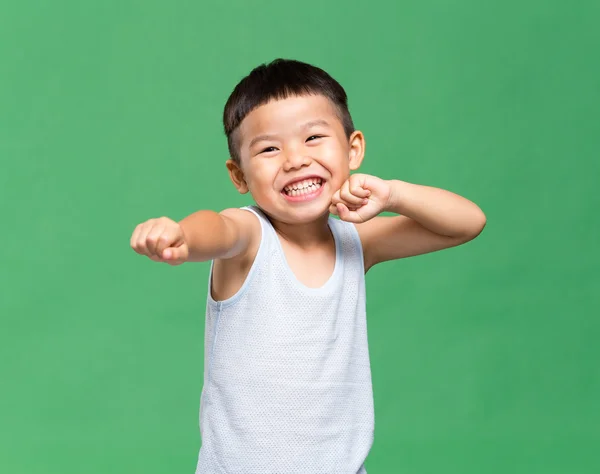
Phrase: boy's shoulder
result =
(230, 273)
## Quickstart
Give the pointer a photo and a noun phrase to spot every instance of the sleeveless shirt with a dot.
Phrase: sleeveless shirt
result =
(287, 377)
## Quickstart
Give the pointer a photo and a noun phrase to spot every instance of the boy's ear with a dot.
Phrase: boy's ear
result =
(357, 149)
(237, 176)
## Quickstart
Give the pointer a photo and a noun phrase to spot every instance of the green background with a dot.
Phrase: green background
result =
(485, 357)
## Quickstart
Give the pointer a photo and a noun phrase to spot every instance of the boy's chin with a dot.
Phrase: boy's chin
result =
(299, 215)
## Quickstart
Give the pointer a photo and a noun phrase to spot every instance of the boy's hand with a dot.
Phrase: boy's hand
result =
(361, 198)
(161, 240)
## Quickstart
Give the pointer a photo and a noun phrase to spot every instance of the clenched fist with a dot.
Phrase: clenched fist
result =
(361, 198)
(161, 240)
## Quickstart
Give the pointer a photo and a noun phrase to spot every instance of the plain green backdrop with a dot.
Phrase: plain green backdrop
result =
(485, 357)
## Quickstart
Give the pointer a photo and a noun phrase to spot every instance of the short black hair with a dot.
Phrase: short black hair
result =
(280, 79)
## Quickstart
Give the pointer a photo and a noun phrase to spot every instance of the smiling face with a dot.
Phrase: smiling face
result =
(294, 155)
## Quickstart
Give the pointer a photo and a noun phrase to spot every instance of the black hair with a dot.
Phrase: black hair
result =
(280, 79)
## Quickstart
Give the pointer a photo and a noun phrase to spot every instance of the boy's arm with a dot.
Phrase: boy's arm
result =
(431, 219)
(201, 236)
(212, 235)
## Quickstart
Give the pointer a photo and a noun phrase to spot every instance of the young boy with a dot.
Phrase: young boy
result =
(287, 378)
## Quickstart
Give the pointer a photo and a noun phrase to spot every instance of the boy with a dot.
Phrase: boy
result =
(287, 379)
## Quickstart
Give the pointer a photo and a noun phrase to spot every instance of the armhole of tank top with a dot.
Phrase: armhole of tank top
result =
(232, 299)
(356, 237)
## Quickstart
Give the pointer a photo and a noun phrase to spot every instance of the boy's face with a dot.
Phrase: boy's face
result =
(294, 156)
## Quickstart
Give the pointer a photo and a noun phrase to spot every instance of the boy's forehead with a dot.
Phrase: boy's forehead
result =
(286, 114)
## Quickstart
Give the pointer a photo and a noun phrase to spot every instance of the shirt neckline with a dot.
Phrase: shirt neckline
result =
(336, 268)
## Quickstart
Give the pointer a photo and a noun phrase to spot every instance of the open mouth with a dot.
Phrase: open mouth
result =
(304, 187)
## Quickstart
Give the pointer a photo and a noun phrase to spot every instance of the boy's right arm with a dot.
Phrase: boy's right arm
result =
(202, 236)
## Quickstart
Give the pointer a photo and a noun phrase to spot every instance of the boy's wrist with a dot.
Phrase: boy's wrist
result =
(398, 191)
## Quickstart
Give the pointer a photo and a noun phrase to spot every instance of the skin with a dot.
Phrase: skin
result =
(296, 137)
(285, 140)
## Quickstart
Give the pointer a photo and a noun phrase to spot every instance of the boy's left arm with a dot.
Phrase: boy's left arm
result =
(430, 218)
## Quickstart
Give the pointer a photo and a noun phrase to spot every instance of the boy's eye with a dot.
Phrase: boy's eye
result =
(314, 137)
(269, 149)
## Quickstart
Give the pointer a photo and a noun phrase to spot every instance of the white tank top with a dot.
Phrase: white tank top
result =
(287, 376)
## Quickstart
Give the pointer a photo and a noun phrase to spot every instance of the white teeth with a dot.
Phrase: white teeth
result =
(312, 183)
(303, 187)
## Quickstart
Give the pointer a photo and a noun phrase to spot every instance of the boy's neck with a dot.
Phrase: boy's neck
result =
(305, 235)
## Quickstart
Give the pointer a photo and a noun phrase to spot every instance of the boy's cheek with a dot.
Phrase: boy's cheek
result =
(334, 189)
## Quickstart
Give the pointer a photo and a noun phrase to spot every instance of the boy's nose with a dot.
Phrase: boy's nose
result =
(295, 160)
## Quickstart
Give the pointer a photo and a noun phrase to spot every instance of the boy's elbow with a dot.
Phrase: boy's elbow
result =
(476, 225)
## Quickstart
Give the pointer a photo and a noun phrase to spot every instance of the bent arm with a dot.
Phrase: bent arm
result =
(431, 219)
